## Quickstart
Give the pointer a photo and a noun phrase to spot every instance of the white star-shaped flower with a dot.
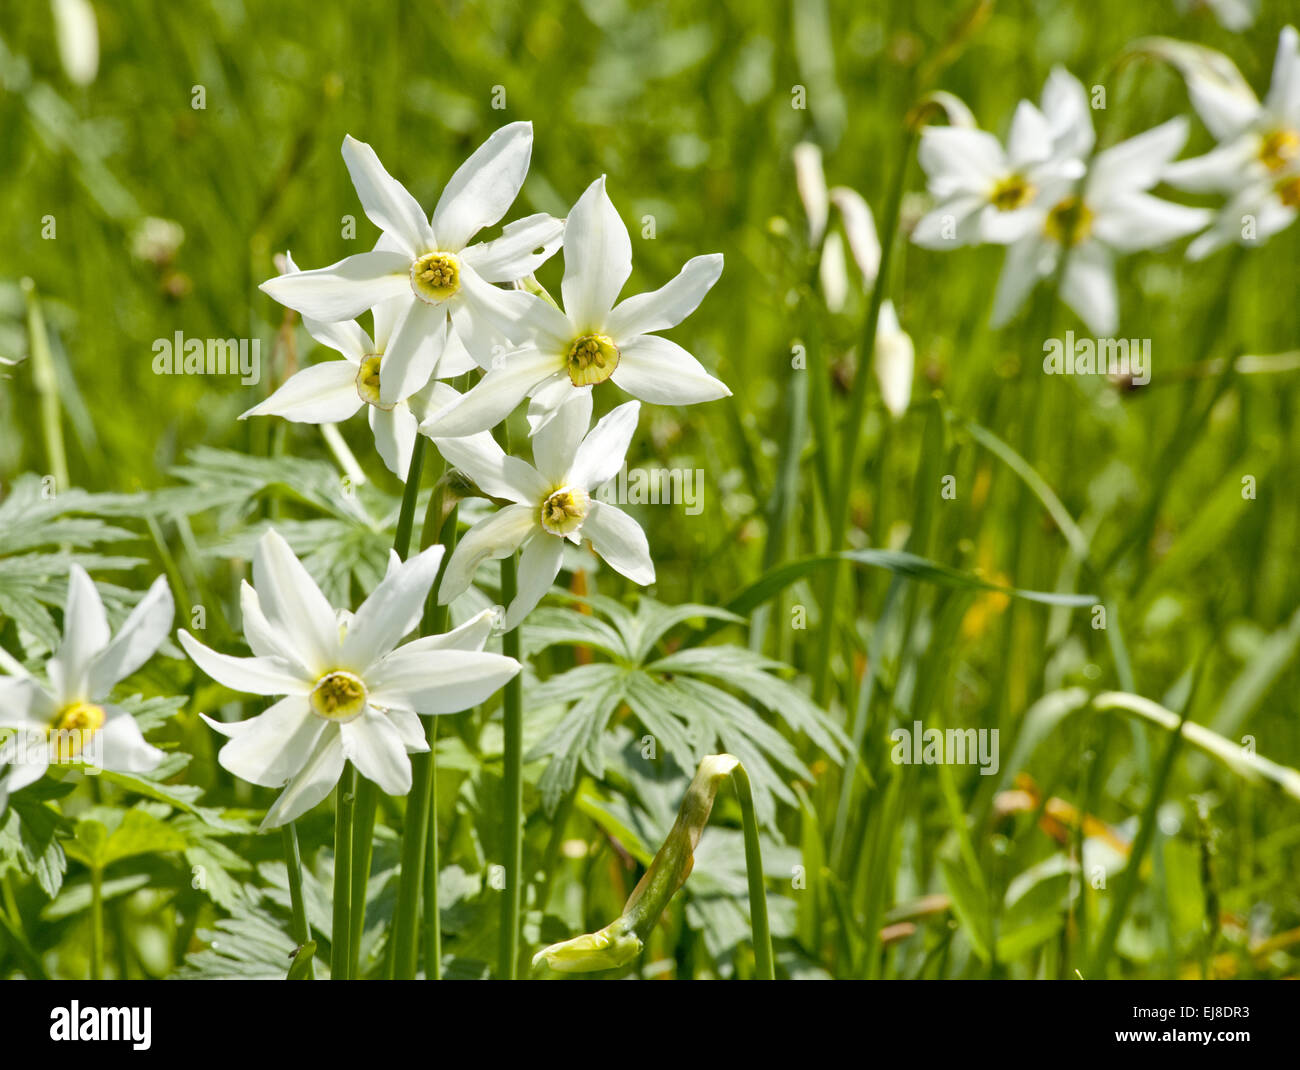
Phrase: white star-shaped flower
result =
(71, 719)
(428, 265)
(549, 503)
(594, 339)
(352, 694)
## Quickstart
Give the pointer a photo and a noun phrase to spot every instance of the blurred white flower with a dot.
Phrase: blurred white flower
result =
(352, 692)
(1234, 15)
(1254, 215)
(440, 282)
(77, 34)
(70, 719)
(895, 359)
(549, 503)
(334, 390)
(988, 194)
(1112, 214)
(594, 339)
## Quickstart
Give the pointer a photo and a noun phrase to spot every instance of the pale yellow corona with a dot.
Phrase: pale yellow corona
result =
(1069, 222)
(435, 277)
(368, 382)
(338, 696)
(565, 509)
(591, 359)
(73, 728)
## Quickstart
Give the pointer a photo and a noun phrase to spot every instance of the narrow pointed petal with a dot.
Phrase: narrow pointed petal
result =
(346, 337)
(523, 247)
(319, 394)
(604, 451)
(597, 258)
(410, 729)
(471, 635)
(556, 445)
(24, 703)
(312, 783)
(386, 202)
(121, 746)
(344, 290)
(494, 396)
(263, 640)
(488, 316)
(391, 610)
(484, 186)
(271, 748)
(374, 745)
(662, 372)
(85, 634)
(1021, 271)
(1088, 287)
(620, 541)
(539, 564)
(255, 676)
(394, 432)
(294, 604)
(413, 351)
(1139, 221)
(440, 681)
(141, 634)
(1138, 163)
(498, 536)
(496, 473)
(670, 304)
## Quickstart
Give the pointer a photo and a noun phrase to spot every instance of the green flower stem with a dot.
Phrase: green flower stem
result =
(410, 493)
(513, 795)
(300, 931)
(96, 924)
(432, 915)
(852, 434)
(363, 849)
(762, 934)
(45, 380)
(341, 933)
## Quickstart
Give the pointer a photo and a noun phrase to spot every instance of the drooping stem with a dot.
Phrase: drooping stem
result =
(341, 934)
(300, 931)
(762, 934)
(96, 924)
(512, 800)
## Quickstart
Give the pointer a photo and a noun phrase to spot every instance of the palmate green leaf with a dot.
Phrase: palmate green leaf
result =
(104, 836)
(252, 946)
(28, 836)
(564, 627)
(30, 517)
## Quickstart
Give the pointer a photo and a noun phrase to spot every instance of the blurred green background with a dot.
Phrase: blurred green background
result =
(687, 108)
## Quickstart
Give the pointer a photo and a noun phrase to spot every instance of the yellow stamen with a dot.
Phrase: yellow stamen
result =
(338, 696)
(592, 359)
(1278, 148)
(1069, 221)
(1288, 191)
(73, 728)
(435, 277)
(368, 382)
(565, 510)
(1011, 193)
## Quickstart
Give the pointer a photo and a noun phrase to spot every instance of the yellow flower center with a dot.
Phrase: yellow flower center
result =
(1069, 221)
(1288, 191)
(1011, 193)
(368, 382)
(435, 277)
(565, 510)
(592, 359)
(73, 728)
(338, 696)
(1278, 148)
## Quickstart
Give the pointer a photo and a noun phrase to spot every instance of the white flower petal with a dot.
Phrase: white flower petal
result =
(386, 201)
(409, 729)
(496, 537)
(895, 358)
(1088, 287)
(972, 156)
(484, 186)
(663, 373)
(1139, 221)
(1069, 113)
(1021, 271)
(319, 394)
(1284, 91)
(271, 748)
(556, 444)
(1219, 170)
(394, 430)
(670, 304)
(141, 634)
(264, 640)
(597, 258)
(413, 350)
(85, 634)
(256, 675)
(494, 396)
(346, 337)
(603, 452)
(810, 181)
(374, 745)
(522, 248)
(471, 635)
(539, 564)
(294, 604)
(1030, 139)
(120, 744)
(491, 319)
(860, 229)
(24, 703)
(1138, 163)
(620, 541)
(546, 397)
(391, 610)
(312, 783)
(344, 290)
(440, 681)
(496, 473)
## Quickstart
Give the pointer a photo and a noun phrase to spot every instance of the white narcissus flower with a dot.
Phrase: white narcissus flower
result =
(428, 265)
(1257, 159)
(988, 194)
(593, 339)
(1112, 214)
(352, 694)
(71, 719)
(549, 503)
(333, 391)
